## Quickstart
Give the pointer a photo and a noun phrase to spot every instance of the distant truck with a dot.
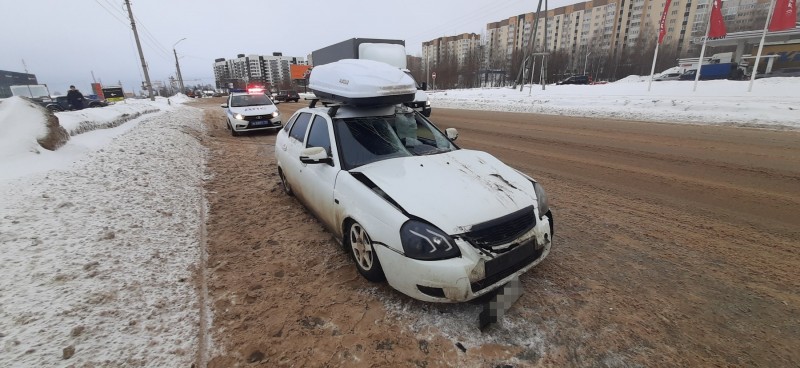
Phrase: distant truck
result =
(715, 71)
(39, 93)
(392, 52)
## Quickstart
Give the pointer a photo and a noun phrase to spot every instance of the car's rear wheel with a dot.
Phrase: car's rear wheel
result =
(363, 252)
(285, 184)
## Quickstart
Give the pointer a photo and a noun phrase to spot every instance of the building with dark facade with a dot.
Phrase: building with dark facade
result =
(8, 79)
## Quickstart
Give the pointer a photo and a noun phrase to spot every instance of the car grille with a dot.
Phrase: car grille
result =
(501, 230)
(258, 117)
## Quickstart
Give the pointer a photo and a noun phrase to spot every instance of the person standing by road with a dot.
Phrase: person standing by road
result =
(75, 98)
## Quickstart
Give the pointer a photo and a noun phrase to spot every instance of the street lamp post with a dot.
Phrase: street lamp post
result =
(585, 62)
(178, 65)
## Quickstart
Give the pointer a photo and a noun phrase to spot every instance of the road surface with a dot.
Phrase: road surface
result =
(674, 245)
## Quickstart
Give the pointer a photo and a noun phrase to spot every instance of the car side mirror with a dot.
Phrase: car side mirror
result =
(424, 86)
(452, 133)
(315, 155)
(224, 106)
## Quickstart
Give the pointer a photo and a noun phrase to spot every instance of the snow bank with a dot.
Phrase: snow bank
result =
(772, 104)
(22, 124)
(98, 258)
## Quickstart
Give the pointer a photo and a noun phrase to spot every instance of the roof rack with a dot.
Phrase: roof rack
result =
(333, 106)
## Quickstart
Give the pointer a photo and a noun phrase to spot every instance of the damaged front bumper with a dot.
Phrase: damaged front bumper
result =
(475, 273)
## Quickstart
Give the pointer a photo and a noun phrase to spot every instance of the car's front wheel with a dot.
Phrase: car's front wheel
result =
(233, 132)
(363, 252)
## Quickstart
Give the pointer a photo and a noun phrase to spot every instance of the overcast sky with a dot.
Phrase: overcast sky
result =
(63, 42)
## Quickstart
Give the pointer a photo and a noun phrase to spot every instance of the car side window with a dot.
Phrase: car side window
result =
(298, 130)
(318, 136)
(290, 122)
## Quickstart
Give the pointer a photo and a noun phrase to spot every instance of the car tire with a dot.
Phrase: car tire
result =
(284, 184)
(360, 246)
(233, 132)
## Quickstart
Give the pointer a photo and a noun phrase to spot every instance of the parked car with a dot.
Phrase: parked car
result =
(60, 103)
(576, 79)
(439, 223)
(667, 76)
(285, 96)
(251, 112)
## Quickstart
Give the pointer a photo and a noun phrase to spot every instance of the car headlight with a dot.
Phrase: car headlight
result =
(276, 114)
(425, 242)
(427, 103)
(541, 198)
(238, 117)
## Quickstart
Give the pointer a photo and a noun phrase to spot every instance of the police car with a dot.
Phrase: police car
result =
(251, 111)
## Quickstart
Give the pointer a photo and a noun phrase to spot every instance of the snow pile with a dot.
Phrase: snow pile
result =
(99, 256)
(22, 124)
(772, 103)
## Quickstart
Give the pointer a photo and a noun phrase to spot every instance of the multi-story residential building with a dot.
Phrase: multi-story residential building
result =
(610, 28)
(261, 69)
(456, 48)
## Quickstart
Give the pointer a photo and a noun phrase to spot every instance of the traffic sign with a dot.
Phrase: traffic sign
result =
(433, 75)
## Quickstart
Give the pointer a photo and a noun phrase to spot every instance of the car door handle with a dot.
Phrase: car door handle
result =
(283, 147)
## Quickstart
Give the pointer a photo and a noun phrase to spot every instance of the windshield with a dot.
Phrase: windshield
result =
(250, 100)
(32, 91)
(369, 139)
(408, 73)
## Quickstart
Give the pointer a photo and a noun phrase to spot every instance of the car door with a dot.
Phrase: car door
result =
(319, 179)
(292, 166)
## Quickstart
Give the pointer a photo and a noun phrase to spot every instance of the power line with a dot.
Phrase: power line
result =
(110, 13)
(150, 35)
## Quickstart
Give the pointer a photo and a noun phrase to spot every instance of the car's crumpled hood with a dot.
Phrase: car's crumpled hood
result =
(453, 190)
(254, 110)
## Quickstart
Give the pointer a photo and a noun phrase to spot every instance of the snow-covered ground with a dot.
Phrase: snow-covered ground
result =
(773, 102)
(99, 240)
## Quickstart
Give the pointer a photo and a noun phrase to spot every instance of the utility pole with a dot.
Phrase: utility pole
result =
(532, 45)
(177, 64)
(141, 54)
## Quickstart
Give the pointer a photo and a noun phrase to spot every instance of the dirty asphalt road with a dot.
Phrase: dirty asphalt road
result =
(675, 245)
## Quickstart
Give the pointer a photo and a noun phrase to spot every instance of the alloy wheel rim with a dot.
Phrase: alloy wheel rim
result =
(362, 247)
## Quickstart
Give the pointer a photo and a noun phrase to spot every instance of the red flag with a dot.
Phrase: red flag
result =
(717, 28)
(662, 27)
(784, 16)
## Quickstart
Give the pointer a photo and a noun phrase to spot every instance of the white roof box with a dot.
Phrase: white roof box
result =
(362, 82)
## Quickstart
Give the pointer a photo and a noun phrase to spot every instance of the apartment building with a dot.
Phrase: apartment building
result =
(609, 27)
(261, 69)
(458, 48)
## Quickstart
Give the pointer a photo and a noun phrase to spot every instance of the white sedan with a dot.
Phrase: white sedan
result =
(252, 111)
(438, 222)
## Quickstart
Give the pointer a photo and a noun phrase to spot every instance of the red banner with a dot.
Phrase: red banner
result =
(98, 90)
(785, 15)
(717, 28)
(662, 27)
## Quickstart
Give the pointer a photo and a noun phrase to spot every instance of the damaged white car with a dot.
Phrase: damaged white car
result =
(438, 222)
